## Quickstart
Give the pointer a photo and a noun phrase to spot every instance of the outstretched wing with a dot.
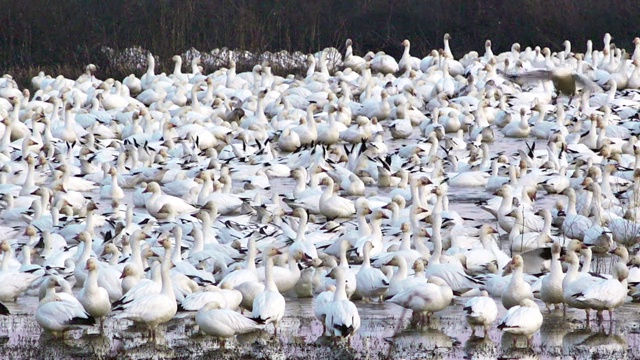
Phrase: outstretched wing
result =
(586, 83)
(540, 74)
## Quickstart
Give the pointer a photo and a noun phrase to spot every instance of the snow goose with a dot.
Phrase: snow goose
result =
(154, 309)
(632, 262)
(453, 272)
(518, 128)
(213, 319)
(61, 312)
(522, 319)
(301, 243)
(286, 278)
(564, 80)
(397, 281)
(375, 238)
(523, 242)
(480, 311)
(427, 299)
(352, 61)
(518, 289)
(407, 60)
(93, 298)
(371, 282)
(382, 63)
(333, 206)
(269, 305)
(551, 289)
(130, 277)
(12, 283)
(478, 258)
(607, 295)
(248, 273)
(575, 282)
(157, 199)
(143, 287)
(342, 318)
(199, 299)
(574, 224)
(321, 305)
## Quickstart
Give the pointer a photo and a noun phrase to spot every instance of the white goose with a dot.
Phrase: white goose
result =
(154, 309)
(93, 298)
(453, 272)
(214, 320)
(518, 289)
(607, 295)
(342, 318)
(575, 282)
(12, 283)
(157, 199)
(269, 305)
(333, 206)
(371, 282)
(432, 297)
(285, 278)
(59, 313)
(522, 319)
(481, 311)
(321, 305)
(551, 289)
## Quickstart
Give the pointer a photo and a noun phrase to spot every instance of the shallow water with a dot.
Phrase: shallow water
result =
(383, 335)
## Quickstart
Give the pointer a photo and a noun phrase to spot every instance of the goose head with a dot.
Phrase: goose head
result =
(92, 264)
(621, 252)
(418, 265)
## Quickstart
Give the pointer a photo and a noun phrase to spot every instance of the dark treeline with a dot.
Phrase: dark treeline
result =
(52, 33)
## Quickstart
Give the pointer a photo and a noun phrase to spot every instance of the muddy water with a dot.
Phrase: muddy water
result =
(387, 330)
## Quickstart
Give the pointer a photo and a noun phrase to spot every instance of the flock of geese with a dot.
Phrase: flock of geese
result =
(224, 194)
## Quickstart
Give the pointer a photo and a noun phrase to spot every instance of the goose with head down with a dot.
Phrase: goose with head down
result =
(522, 319)
(214, 320)
(424, 300)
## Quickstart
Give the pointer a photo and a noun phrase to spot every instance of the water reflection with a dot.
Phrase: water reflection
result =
(480, 348)
(600, 344)
(382, 336)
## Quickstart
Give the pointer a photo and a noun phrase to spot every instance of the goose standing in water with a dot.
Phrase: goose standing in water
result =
(61, 312)
(481, 311)
(342, 318)
(607, 295)
(154, 309)
(93, 298)
(551, 289)
(269, 305)
(222, 323)
(523, 319)
(425, 299)
(518, 289)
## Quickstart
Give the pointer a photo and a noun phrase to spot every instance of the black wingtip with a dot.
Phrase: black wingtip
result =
(344, 330)
(82, 321)
(259, 320)
(4, 310)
